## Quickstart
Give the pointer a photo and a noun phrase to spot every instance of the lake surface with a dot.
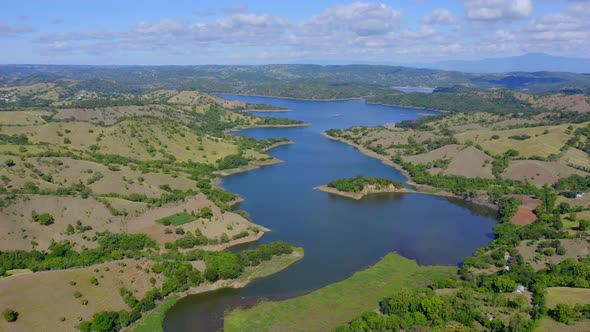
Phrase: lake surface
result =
(411, 89)
(340, 236)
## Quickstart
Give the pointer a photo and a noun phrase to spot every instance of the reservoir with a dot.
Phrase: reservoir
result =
(340, 236)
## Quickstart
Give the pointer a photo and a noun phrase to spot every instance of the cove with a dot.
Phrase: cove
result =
(340, 236)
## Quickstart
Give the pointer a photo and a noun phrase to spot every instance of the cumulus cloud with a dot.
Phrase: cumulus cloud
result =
(498, 10)
(440, 17)
(360, 18)
(357, 30)
(359, 24)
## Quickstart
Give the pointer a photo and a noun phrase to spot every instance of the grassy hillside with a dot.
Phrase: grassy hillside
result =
(333, 305)
(92, 186)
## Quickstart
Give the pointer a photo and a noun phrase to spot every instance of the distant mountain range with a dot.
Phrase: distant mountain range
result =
(531, 62)
(287, 80)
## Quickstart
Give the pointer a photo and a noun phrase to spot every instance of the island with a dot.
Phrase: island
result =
(361, 186)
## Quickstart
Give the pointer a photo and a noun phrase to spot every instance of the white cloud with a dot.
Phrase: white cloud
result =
(358, 18)
(497, 10)
(441, 17)
(357, 30)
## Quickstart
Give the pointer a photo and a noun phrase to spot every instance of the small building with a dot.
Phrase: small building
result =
(489, 316)
(520, 289)
(507, 268)
(580, 194)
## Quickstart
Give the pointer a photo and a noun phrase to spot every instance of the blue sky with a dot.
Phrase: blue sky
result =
(255, 32)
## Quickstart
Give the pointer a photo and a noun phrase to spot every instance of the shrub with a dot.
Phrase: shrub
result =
(44, 219)
(10, 315)
(77, 294)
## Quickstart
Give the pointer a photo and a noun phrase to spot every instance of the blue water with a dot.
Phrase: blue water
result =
(340, 236)
(421, 90)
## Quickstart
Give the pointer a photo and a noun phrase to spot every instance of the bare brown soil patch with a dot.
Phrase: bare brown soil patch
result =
(525, 214)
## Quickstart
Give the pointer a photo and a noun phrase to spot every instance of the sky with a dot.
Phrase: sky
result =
(150, 32)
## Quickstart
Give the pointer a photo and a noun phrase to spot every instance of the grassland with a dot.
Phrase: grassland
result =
(543, 141)
(152, 321)
(176, 219)
(333, 305)
(547, 324)
(567, 295)
(42, 298)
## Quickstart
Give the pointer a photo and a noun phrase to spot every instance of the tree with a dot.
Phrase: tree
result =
(105, 321)
(9, 163)
(584, 224)
(399, 303)
(502, 284)
(563, 313)
(10, 315)
(519, 323)
(433, 308)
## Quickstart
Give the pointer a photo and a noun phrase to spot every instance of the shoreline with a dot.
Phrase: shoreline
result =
(284, 262)
(290, 98)
(249, 167)
(257, 164)
(420, 188)
(359, 195)
(278, 110)
(342, 99)
(244, 127)
(411, 107)
(276, 145)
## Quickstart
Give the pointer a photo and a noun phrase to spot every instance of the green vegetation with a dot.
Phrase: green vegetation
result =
(296, 80)
(10, 315)
(176, 219)
(502, 101)
(484, 294)
(44, 219)
(357, 184)
(264, 107)
(152, 321)
(333, 305)
(568, 314)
